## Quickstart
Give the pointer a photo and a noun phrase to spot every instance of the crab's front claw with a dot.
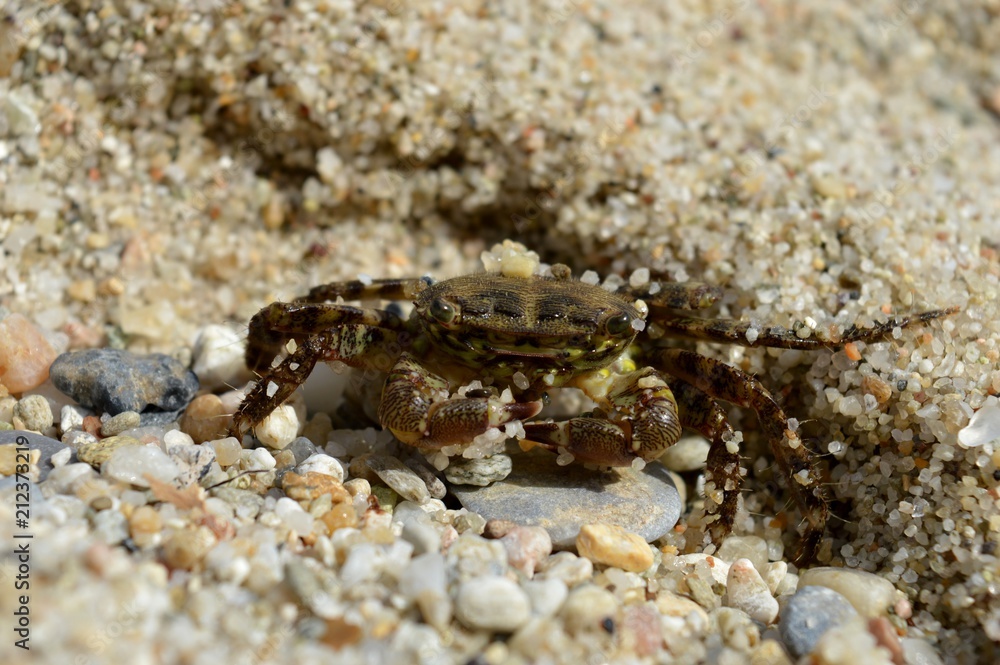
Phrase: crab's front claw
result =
(589, 440)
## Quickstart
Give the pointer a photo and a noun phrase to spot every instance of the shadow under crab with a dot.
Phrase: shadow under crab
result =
(531, 334)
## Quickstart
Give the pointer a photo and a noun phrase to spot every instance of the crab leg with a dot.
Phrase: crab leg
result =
(377, 289)
(417, 409)
(723, 476)
(649, 426)
(674, 295)
(356, 345)
(727, 383)
(731, 331)
(273, 326)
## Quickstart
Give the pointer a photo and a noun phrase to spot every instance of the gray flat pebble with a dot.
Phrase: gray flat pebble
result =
(46, 446)
(114, 381)
(811, 612)
(539, 492)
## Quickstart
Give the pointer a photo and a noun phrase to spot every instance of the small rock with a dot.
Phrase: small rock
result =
(218, 357)
(560, 499)
(71, 418)
(568, 567)
(478, 472)
(132, 464)
(747, 591)
(498, 528)
(810, 613)
(194, 462)
(115, 425)
(983, 427)
(419, 533)
(323, 463)
(770, 652)
(110, 526)
(546, 596)
(688, 454)
(227, 451)
(279, 428)
(312, 485)
(745, 547)
(34, 413)
(65, 479)
(919, 652)
(261, 459)
(614, 546)
(100, 451)
(424, 581)
(871, 595)
(113, 381)
(25, 354)
(671, 605)
(185, 548)
(492, 603)
(144, 522)
(526, 547)
(11, 459)
(205, 419)
(420, 466)
(587, 607)
(399, 477)
(302, 447)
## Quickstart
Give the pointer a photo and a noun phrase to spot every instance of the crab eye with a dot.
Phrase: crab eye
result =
(619, 324)
(443, 311)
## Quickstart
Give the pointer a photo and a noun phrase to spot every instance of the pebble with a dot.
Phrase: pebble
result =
(65, 479)
(747, 591)
(810, 613)
(671, 605)
(399, 477)
(983, 427)
(113, 381)
(71, 418)
(218, 357)
(280, 428)
(312, 485)
(479, 472)
(115, 425)
(43, 450)
(185, 548)
(34, 413)
(323, 463)
(492, 603)
(745, 547)
(9, 456)
(424, 581)
(688, 454)
(131, 464)
(568, 567)
(770, 652)
(871, 595)
(586, 607)
(560, 499)
(919, 652)
(205, 419)
(227, 451)
(25, 354)
(546, 596)
(527, 546)
(302, 447)
(110, 526)
(97, 452)
(194, 462)
(435, 487)
(419, 533)
(614, 546)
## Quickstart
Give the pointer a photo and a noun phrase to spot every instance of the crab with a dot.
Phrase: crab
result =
(532, 334)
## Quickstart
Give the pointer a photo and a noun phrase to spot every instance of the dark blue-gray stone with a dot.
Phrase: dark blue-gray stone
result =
(561, 499)
(113, 381)
(811, 612)
(34, 441)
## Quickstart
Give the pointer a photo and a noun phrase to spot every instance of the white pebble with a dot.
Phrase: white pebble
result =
(218, 357)
(322, 463)
(34, 412)
(261, 459)
(70, 418)
(639, 277)
(131, 464)
(983, 428)
(492, 603)
(175, 437)
(280, 428)
(870, 594)
(546, 596)
(590, 277)
(291, 513)
(62, 457)
(747, 591)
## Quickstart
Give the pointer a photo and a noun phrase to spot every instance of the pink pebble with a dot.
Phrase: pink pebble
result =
(25, 354)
